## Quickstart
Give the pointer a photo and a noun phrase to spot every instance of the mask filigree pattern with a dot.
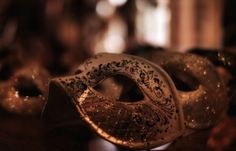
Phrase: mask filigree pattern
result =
(162, 115)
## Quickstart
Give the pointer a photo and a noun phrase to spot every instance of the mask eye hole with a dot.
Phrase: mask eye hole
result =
(184, 81)
(120, 88)
(27, 87)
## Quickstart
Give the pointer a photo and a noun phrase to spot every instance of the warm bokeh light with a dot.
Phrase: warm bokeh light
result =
(153, 23)
(113, 40)
(117, 2)
(104, 9)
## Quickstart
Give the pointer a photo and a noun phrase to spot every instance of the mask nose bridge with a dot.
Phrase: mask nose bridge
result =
(59, 109)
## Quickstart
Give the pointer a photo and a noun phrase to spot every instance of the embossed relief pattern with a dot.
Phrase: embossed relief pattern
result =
(141, 122)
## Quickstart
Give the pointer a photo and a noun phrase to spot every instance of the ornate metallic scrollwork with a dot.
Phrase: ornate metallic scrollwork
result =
(161, 116)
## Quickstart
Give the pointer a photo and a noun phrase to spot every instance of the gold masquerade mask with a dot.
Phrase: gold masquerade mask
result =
(164, 113)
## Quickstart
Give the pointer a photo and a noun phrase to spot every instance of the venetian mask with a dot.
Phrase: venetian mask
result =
(161, 115)
(26, 91)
